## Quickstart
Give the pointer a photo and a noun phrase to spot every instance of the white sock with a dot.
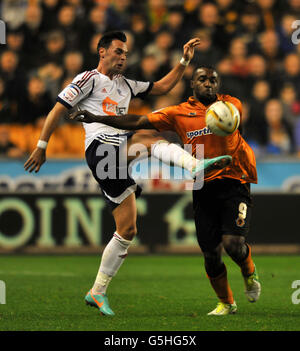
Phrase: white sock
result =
(175, 154)
(112, 259)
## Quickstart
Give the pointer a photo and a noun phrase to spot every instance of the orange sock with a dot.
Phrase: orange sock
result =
(247, 266)
(221, 287)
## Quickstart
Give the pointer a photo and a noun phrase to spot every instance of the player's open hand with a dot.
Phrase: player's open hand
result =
(35, 161)
(188, 48)
(82, 116)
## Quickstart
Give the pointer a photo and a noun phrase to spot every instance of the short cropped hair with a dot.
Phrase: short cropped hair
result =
(202, 66)
(108, 37)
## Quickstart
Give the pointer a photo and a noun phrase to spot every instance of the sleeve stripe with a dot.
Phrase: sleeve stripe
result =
(85, 74)
(81, 83)
(83, 77)
(83, 80)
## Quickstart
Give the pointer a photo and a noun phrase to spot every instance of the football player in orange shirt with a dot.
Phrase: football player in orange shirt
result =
(222, 208)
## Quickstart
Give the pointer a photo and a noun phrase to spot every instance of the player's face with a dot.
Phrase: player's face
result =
(205, 83)
(115, 56)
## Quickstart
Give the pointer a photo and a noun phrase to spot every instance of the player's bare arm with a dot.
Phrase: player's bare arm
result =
(168, 82)
(129, 122)
(38, 156)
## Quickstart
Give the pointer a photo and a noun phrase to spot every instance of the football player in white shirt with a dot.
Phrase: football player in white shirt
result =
(105, 90)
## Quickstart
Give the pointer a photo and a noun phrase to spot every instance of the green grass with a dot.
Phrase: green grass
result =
(150, 293)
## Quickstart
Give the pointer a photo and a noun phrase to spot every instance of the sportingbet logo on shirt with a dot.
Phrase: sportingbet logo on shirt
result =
(199, 132)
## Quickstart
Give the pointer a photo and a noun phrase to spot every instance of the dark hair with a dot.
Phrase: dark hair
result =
(108, 37)
(202, 66)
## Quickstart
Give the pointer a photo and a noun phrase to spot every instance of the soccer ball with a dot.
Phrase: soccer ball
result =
(222, 118)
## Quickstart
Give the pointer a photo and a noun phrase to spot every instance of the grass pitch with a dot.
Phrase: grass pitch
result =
(150, 293)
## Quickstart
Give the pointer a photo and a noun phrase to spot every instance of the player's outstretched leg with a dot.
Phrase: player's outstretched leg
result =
(211, 164)
(169, 152)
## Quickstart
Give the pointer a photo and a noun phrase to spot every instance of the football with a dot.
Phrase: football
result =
(222, 118)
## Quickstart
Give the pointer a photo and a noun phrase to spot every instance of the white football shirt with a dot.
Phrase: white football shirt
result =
(100, 95)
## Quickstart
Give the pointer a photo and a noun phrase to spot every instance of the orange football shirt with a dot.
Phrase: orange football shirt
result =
(188, 121)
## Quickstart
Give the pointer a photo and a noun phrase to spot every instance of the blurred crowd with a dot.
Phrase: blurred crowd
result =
(249, 42)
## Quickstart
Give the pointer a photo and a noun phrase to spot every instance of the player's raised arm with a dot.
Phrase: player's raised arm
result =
(38, 156)
(129, 122)
(168, 82)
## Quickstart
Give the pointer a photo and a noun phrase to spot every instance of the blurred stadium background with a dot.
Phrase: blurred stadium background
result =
(48, 42)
